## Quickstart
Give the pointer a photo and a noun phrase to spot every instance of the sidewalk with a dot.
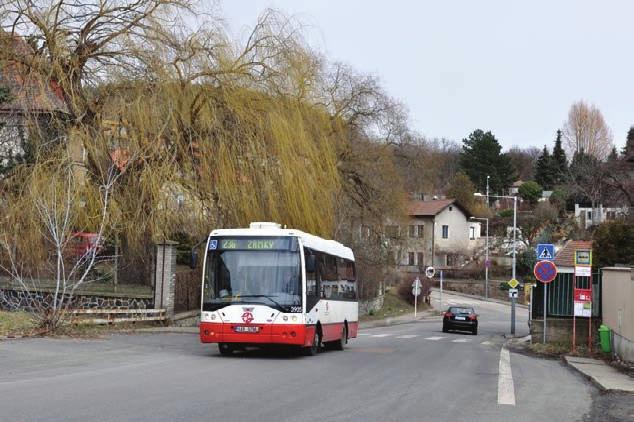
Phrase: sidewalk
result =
(602, 374)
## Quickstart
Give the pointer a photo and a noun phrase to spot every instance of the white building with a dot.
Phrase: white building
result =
(585, 218)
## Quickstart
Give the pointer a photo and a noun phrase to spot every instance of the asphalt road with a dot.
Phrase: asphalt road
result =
(400, 373)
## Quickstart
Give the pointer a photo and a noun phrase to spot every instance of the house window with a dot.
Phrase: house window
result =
(472, 233)
(412, 231)
(589, 215)
(410, 258)
(391, 231)
(445, 232)
(419, 259)
(450, 208)
(421, 230)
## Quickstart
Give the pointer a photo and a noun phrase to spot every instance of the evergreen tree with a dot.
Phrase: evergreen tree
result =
(544, 170)
(628, 149)
(481, 156)
(614, 156)
(559, 162)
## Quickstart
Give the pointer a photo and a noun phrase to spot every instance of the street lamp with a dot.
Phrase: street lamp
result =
(514, 198)
(486, 259)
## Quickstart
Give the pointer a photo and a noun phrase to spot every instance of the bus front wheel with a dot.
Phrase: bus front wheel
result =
(225, 349)
(313, 349)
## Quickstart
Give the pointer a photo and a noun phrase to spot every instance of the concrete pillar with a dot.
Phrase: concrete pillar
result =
(165, 277)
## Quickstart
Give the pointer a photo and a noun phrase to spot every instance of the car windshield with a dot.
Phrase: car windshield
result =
(456, 310)
(269, 277)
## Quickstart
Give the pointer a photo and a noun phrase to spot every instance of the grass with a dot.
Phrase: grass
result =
(15, 323)
(394, 306)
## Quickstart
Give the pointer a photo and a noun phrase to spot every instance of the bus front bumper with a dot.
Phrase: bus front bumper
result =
(292, 334)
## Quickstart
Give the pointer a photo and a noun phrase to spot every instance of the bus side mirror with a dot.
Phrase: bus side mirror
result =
(193, 260)
(310, 263)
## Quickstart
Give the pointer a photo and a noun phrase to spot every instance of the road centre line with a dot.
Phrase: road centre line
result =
(408, 336)
(381, 335)
(461, 340)
(506, 390)
(433, 338)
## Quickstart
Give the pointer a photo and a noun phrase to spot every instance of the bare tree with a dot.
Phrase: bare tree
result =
(53, 202)
(586, 131)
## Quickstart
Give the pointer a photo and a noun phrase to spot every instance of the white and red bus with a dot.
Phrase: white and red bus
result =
(268, 285)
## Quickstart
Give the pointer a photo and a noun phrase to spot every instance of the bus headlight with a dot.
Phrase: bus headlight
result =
(213, 317)
(285, 318)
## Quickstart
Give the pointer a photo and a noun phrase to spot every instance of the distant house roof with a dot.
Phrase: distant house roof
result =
(28, 90)
(547, 193)
(517, 183)
(566, 255)
(432, 208)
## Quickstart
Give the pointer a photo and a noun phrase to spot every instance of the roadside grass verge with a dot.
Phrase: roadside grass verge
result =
(16, 324)
(394, 306)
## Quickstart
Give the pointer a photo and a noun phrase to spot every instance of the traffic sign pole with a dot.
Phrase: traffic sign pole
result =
(415, 303)
(545, 308)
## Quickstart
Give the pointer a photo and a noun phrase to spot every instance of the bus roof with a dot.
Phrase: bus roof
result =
(308, 240)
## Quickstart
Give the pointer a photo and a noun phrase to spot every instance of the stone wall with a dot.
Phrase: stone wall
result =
(19, 299)
(560, 330)
(373, 305)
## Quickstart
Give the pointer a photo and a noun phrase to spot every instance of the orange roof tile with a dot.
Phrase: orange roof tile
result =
(28, 90)
(432, 208)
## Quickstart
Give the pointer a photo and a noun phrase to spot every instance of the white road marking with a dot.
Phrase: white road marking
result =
(506, 390)
(408, 336)
(381, 335)
(363, 334)
(461, 340)
(486, 343)
(433, 338)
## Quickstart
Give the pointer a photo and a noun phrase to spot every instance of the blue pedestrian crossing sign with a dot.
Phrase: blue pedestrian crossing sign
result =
(545, 252)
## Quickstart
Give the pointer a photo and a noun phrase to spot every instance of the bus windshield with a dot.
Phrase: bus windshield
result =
(253, 272)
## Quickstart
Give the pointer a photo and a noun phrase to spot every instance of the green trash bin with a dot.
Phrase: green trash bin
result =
(604, 338)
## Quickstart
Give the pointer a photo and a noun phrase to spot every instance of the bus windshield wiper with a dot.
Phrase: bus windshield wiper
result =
(280, 306)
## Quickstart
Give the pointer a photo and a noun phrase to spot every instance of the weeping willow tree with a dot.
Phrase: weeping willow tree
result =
(205, 131)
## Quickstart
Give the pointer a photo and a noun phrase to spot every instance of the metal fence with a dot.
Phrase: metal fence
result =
(560, 295)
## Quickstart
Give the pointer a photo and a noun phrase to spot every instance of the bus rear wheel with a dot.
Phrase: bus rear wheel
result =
(341, 343)
(225, 349)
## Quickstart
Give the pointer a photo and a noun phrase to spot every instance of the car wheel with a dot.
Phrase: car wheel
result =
(475, 331)
(445, 329)
(225, 349)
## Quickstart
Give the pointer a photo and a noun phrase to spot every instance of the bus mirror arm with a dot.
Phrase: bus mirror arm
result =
(310, 263)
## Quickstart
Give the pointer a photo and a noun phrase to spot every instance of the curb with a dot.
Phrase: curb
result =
(501, 302)
(592, 379)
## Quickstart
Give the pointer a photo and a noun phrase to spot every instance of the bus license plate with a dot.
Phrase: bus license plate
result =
(241, 329)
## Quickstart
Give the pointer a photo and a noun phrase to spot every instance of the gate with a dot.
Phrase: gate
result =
(187, 290)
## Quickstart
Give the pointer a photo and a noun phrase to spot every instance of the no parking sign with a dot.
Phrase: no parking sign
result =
(545, 271)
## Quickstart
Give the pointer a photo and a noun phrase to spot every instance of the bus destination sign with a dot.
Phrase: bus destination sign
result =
(243, 243)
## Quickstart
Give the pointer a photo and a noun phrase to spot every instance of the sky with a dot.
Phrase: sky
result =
(510, 67)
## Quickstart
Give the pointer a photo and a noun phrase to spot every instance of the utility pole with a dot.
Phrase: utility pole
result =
(514, 261)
